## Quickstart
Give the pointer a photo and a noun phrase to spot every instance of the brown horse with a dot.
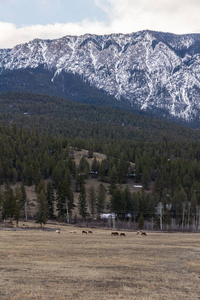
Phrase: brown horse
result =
(122, 234)
(114, 233)
(89, 231)
(143, 233)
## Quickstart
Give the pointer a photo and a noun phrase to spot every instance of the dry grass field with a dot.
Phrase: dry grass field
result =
(39, 264)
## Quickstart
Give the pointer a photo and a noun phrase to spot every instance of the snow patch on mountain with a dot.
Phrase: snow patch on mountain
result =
(150, 70)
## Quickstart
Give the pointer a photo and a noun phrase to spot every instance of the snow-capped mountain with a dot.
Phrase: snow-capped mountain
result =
(153, 71)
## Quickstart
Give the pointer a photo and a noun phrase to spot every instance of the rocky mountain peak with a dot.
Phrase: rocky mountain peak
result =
(154, 71)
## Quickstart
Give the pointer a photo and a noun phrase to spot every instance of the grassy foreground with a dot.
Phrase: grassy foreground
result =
(37, 264)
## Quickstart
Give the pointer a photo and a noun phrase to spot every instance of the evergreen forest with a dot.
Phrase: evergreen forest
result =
(38, 137)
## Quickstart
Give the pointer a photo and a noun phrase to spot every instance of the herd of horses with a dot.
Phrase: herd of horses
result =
(117, 233)
(123, 234)
(112, 233)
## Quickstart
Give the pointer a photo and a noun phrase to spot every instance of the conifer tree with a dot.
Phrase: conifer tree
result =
(65, 200)
(167, 218)
(112, 179)
(145, 178)
(129, 200)
(92, 200)
(38, 179)
(102, 170)
(24, 201)
(84, 167)
(136, 208)
(95, 167)
(90, 153)
(50, 199)
(118, 203)
(8, 202)
(82, 204)
(101, 196)
(137, 171)
(42, 204)
(80, 180)
(17, 195)
(141, 222)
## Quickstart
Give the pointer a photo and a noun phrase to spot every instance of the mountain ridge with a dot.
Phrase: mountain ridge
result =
(151, 71)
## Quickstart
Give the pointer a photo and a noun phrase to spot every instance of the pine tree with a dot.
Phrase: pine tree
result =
(167, 218)
(118, 204)
(50, 199)
(17, 195)
(82, 204)
(84, 167)
(112, 179)
(42, 207)
(122, 170)
(141, 222)
(24, 201)
(90, 153)
(145, 179)
(65, 200)
(8, 202)
(92, 200)
(129, 200)
(95, 167)
(102, 170)
(101, 196)
(80, 180)
(137, 170)
(37, 180)
(136, 208)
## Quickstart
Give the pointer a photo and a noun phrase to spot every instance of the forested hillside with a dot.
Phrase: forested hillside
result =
(61, 117)
(161, 157)
(67, 85)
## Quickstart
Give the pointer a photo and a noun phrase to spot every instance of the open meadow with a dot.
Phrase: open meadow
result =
(43, 264)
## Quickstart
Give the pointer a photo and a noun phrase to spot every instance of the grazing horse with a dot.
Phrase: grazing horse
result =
(114, 233)
(58, 231)
(89, 231)
(84, 232)
(122, 234)
(73, 231)
(143, 233)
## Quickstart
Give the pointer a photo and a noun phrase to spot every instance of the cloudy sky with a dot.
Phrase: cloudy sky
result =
(24, 20)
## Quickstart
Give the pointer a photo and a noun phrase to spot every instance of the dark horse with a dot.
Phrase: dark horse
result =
(114, 233)
(84, 232)
(122, 234)
(143, 233)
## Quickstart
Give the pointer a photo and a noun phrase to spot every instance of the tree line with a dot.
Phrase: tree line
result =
(161, 157)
